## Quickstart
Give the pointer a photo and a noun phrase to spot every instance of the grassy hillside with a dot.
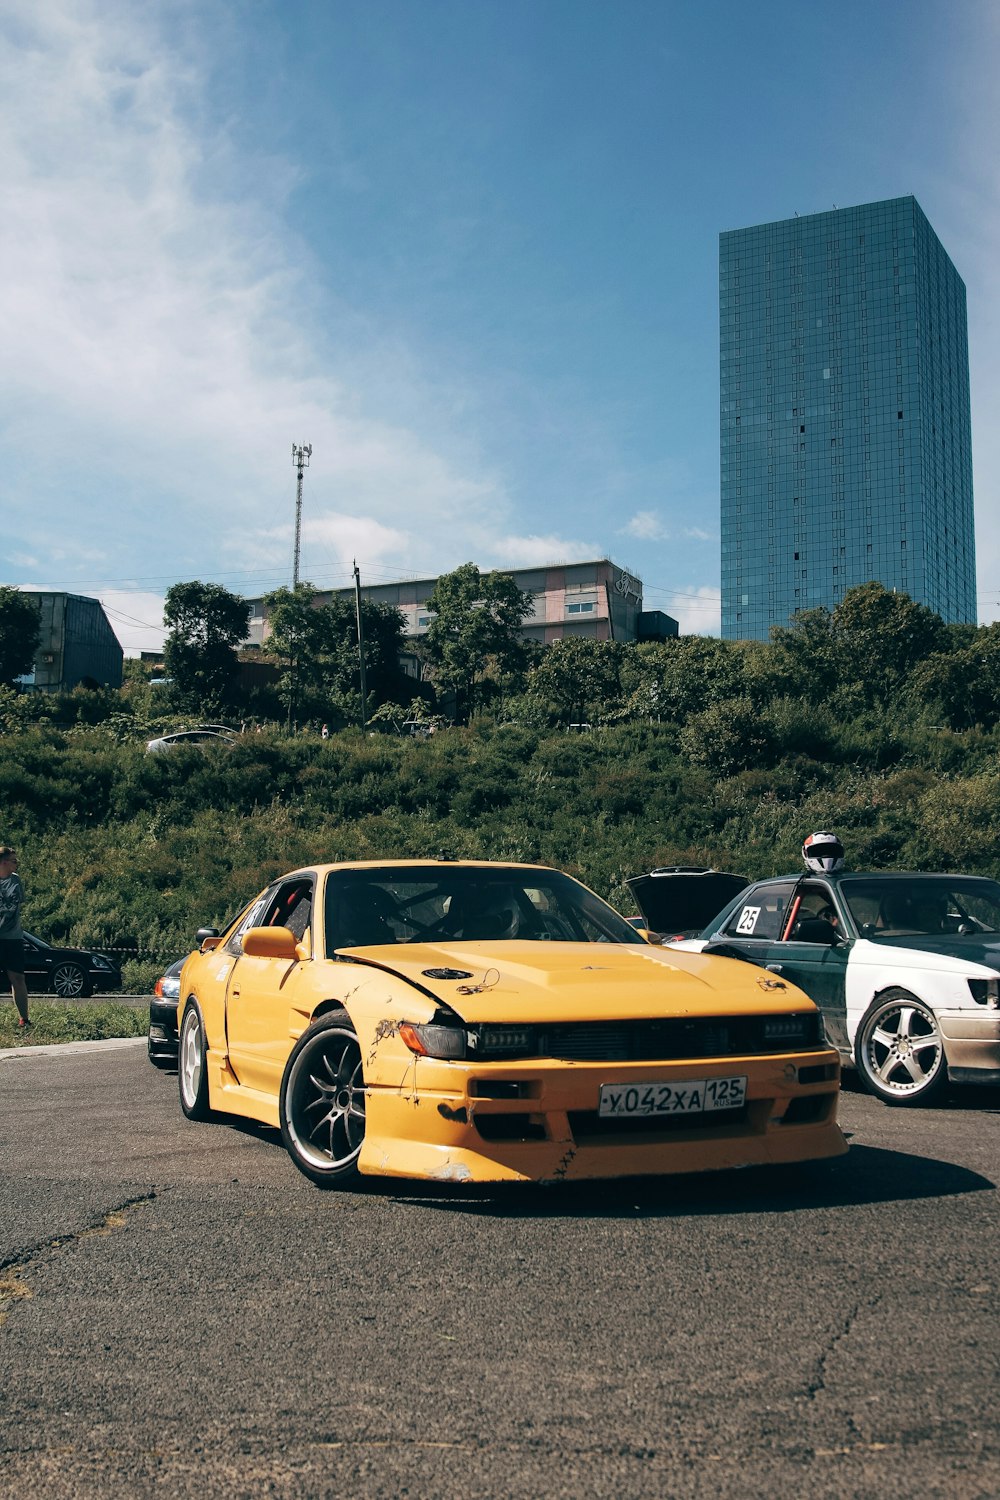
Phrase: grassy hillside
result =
(127, 850)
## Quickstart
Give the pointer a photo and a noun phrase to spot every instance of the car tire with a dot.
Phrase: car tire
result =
(69, 981)
(322, 1102)
(899, 1051)
(192, 1065)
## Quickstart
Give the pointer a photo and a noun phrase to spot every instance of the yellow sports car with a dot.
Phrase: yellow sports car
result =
(473, 1022)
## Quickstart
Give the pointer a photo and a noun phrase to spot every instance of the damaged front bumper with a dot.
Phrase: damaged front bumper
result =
(539, 1122)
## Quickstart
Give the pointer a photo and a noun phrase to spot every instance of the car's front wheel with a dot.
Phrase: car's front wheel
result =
(899, 1051)
(192, 1065)
(322, 1102)
(69, 981)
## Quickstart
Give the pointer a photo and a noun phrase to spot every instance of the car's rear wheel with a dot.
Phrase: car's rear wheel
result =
(323, 1102)
(899, 1050)
(69, 981)
(192, 1065)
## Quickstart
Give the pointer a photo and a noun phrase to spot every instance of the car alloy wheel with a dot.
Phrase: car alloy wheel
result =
(192, 1065)
(323, 1102)
(899, 1050)
(68, 980)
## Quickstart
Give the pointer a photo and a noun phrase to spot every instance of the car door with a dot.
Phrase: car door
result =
(37, 965)
(755, 921)
(261, 991)
(813, 952)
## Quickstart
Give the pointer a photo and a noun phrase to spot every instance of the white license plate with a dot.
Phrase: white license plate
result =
(693, 1096)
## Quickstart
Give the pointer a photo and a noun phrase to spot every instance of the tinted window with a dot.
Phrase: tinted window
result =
(456, 904)
(895, 907)
(761, 913)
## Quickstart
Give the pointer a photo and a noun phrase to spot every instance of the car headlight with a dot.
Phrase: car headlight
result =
(457, 1042)
(791, 1029)
(986, 992)
(98, 961)
(435, 1041)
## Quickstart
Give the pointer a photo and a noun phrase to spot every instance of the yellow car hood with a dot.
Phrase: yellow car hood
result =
(540, 981)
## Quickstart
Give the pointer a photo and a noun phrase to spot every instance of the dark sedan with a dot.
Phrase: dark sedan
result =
(71, 973)
(161, 1043)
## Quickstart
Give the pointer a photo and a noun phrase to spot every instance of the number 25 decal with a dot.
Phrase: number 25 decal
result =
(748, 919)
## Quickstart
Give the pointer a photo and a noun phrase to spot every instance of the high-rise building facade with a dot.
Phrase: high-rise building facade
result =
(846, 447)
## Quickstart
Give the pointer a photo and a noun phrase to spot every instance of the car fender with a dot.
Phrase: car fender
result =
(377, 1003)
(940, 981)
(204, 978)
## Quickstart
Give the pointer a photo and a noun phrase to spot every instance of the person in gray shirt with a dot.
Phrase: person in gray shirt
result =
(11, 935)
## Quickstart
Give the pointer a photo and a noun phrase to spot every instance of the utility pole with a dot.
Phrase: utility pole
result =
(361, 648)
(301, 454)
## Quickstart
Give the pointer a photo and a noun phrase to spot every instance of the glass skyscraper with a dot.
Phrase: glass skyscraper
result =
(846, 442)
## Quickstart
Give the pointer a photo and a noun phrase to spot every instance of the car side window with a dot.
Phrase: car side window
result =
(814, 917)
(249, 919)
(760, 913)
(290, 906)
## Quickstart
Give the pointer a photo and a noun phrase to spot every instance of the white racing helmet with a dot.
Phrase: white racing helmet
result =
(823, 852)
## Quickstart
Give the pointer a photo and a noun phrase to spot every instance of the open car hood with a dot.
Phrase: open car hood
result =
(520, 982)
(680, 902)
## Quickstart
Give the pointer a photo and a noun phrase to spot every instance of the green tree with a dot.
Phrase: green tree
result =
(882, 636)
(205, 624)
(675, 679)
(476, 626)
(803, 660)
(579, 679)
(20, 628)
(320, 644)
(865, 649)
(963, 685)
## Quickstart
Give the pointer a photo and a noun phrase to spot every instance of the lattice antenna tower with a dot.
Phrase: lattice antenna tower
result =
(301, 454)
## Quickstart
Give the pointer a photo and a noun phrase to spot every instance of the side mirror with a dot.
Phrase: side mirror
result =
(270, 942)
(207, 938)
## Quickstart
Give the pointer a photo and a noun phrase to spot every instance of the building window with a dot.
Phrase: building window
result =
(581, 609)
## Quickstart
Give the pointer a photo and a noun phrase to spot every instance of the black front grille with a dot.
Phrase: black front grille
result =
(667, 1040)
(587, 1123)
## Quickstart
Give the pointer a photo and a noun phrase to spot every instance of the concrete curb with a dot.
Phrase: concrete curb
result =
(111, 1044)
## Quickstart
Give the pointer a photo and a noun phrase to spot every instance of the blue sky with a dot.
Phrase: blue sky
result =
(466, 248)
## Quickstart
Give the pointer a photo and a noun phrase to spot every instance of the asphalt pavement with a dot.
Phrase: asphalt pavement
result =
(181, 1309)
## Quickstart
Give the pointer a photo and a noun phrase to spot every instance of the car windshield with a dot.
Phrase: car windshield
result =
(895, 907)
(462, 904)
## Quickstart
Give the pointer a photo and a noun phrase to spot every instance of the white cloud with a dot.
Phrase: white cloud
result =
(697, 611)
(971, 189)
(160, 344)
(136, 617)
(646, 526)
(536, 551)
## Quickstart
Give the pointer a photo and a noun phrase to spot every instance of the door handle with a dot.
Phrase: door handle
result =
(773, 968)
(235, 992)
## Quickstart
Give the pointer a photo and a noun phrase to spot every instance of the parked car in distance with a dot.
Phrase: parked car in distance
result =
(71, 973)
(190, 737)
(463, 1021)
(904, 967)
(161, 1040)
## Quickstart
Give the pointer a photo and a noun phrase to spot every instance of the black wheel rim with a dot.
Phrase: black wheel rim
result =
(325, 1109)
(67, 980)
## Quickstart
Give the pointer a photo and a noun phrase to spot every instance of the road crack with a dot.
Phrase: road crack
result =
(818, 1383)
(16, 1267)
